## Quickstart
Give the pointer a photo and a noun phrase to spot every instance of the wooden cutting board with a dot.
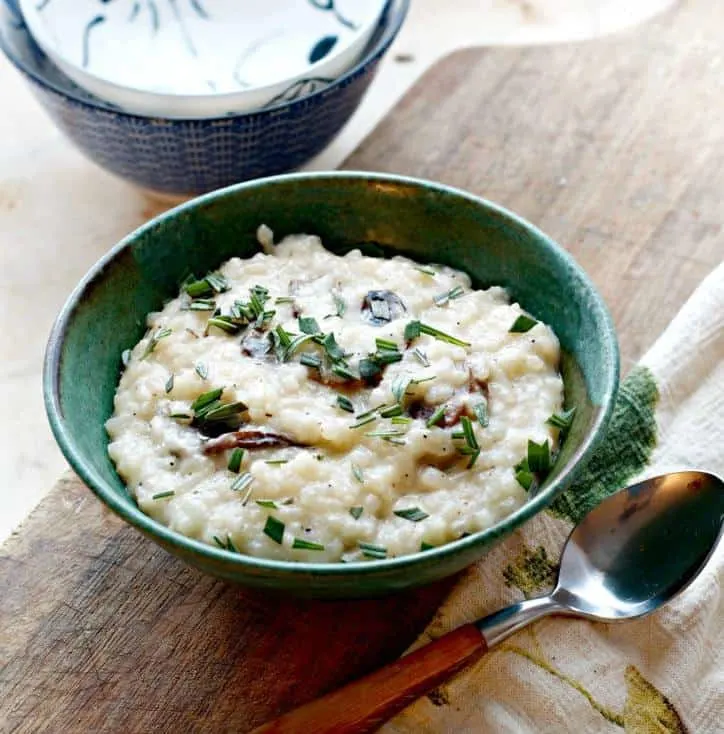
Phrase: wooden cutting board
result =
(614, 148)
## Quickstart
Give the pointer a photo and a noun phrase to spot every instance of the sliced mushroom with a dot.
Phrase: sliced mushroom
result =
(252, 438)
(381, 307)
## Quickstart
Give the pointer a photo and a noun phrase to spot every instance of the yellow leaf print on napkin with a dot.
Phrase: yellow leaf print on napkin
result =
(648, 711)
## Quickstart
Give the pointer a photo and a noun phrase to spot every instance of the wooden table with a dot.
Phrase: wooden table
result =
(614, 148)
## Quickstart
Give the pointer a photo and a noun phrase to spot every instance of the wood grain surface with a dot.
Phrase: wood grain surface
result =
(614, 148)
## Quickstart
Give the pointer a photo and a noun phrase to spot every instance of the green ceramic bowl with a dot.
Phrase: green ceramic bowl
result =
(386, 214)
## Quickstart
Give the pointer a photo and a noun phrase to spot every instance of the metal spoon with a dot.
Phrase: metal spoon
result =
(637, 550)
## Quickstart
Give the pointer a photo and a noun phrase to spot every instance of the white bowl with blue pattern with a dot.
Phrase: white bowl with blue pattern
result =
(191, 156)
(200, 58)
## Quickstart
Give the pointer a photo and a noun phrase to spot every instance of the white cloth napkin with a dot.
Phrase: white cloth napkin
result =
(661, 674)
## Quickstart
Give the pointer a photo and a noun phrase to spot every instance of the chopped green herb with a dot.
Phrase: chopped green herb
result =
(206, 399)
(387, 356)
(169, 384)
(401, 420)
(222, 412)
(562, 420)
(295, 344)
(163, 495)
(284, 338)
(416, 328)
(539, 456)
(202, 304)
(219, 543)
(522, 324)
(334, 351)
(276, 462)
(471, 448)
(442, 298)
(391, 412)
(523, 475)
(181, 416)
(426, 546)
(481, 412)
(386, 344)
(202, 370)
(370, 412)
(357, 473)
(386, 433)
(267, 503)
(274, 529)
(339, 305)
(420, 380)
(399, 387)
(435, 418)
(345, 403)
(309, 325)
(356, 512)
(218, 282)
(413, 514)
(225, 323)
(230, 545)
(242, 482)
(212, 283)
(426, 270)
(421, 357)
(237, 456)
(154, 340)
(394, 440)
(364, 421)
(283, 299)
(301, 544)
(342, 370)
(373, 551)
(310, 360)
(125, 357)
(369, 369)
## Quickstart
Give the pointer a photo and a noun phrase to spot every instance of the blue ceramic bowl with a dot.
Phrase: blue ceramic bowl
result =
(185, 156)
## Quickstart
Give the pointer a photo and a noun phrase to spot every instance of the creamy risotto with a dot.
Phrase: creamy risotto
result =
(308, 406)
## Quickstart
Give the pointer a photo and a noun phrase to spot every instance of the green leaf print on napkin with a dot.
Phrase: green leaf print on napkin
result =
(531, 571)
(624, 451)
(648, 711)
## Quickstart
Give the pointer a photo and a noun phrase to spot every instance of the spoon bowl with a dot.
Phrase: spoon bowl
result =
(633, 553)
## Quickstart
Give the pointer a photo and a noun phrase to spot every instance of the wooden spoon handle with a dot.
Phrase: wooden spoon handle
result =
(363, 705)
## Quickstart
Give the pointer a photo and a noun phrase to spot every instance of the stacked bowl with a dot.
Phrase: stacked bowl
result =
(184, 96)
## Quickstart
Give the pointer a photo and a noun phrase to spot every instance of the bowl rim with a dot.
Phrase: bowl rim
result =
(57, 56)
(138, 519)
(389, 23)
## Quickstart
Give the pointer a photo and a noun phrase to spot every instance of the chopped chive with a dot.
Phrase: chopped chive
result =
(283, 299)
(416, 328)
(364, 421)
(181, 416)
(284, 338)
(169, 384)
(386, 344)
(357, 473)
(242, 482)
(199, 289)
(457, 434)
(202, 304)
(386, 433)
(219, 543)
(125, 357)
(468, 432)
(442, 298)
(334, 351)
(345, 403)
(356, 512)
(237, 456)
(223, 411)
(425, 270)
(342, 370)
(163, 495)
(391, 412)
(481, 412)
(267, 503)
(539, 456)
(206, 398)
(394, 440)
(309, 325)
(274, 529)
(426, 546)
(368, 368)
(401, 420)
(301, 544)
(276, 462)
(310, 360)
(155, 339)
(522, 324)
(413, 514)
(435, 418)
(225, 323)
(230, 545)
(421, 357)
(524, 477)
(399, 387)
(420, 380)
(387, 356)
(295, 344)
(202, 370)
(562, 420)
(370, 412)
(373, 551)
(218, 282)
